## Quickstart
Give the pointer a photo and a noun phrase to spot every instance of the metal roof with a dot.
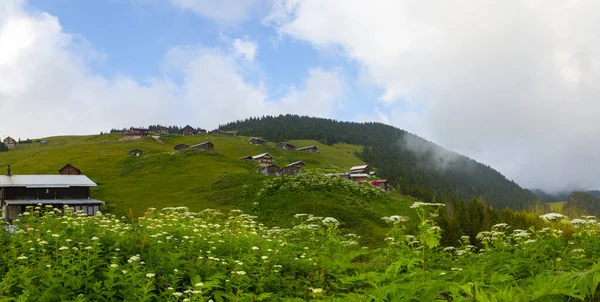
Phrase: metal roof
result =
(46, 181)
(26, 202)
(359, 167)
(303, 148)
(295, 163)
(359, 175)
(261, 155)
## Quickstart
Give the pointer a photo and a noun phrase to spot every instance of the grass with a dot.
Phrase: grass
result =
(201, 179)
(557, 206)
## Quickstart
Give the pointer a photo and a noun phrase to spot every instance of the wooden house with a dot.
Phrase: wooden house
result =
(364, 169)
(299, 164)
(286, 146)
(138, 132)
(201, 132)
(358, 177)
(310, 149)
(257, 141)
(118, 131)
(188, 130)
(181, 147)
(293, 168)
(264, 159)
(382, 184)
(162, 130)
(219, 132)
(136, 152)
(205, 146)
(58, 191)
(69, 169)
(270, 170)
(10, 143)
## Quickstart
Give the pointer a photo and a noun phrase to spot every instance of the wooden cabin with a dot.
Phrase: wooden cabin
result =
(257, 141)
(264, 159)
(310, 149)
(201, 132)
(299, 164)
(69, 169)
(219, 132)
(270, 170)
(292, 169)
(358, 177)
(136, 152)
(181, 147)
(382, 184)
(138, 132)
(20, 191)
(162, 130)
(205, 146)
(364, 169)
(188, 130)
(10, 143)
(286, 146)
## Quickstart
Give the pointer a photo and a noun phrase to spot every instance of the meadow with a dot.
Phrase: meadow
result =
(174, 254)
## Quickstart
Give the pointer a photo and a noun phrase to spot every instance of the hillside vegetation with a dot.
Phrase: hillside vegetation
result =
(178, 255)
(208, 179)
(415, 166)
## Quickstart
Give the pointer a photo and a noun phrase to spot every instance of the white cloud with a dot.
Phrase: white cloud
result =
(510, 83)
(247, 49)
(47, 88)
(224, 11)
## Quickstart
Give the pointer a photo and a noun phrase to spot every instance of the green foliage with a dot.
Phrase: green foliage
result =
(415, 166)
(581, 203)
(177, 255)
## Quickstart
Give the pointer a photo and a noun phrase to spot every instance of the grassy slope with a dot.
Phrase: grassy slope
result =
(162, 178)
(557, 206)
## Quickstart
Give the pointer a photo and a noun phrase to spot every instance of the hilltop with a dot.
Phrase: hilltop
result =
(412, 164)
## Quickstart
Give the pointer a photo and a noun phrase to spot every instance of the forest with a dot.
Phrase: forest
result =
(413, 165)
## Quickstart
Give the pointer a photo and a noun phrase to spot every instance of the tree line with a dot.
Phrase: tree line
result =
(414, 166)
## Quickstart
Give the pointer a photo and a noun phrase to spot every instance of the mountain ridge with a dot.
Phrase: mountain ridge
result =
(415, 166)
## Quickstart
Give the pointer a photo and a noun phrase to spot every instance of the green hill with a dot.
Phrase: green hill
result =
(207, 179)
(413, 165)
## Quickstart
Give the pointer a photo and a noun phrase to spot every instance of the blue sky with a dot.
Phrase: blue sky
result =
(132, 38)
(512, 85)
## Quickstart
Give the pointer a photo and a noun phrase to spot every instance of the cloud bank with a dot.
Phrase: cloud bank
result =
(510, 83)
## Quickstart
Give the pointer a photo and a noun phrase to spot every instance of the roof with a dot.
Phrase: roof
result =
(246, 157)
(261, 155)
(25, 202)
(295, 163)
(9, 138)
(359, 175)
(201, 144)
(135, 150)
(359, 167)
(46, 181)
(303, 148)
(260, 139)
(69, 165)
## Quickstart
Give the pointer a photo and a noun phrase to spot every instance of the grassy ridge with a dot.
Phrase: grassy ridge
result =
(199, 179)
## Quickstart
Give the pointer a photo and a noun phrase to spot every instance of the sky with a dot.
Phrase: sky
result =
(512, 84)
